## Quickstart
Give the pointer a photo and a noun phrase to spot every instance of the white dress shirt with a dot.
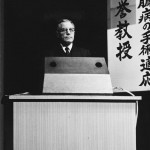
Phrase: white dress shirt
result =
(69, 46)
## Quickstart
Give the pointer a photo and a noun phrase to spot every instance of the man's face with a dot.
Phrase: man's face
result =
(66, 32)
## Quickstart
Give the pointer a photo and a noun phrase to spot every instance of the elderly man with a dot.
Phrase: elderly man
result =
(65, 47)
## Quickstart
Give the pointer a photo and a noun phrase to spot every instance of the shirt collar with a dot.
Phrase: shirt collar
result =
(69, 46)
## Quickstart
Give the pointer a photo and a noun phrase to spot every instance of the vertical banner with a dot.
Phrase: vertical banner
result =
(129, 48)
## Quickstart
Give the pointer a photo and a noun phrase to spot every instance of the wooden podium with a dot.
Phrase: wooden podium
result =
(74, 121)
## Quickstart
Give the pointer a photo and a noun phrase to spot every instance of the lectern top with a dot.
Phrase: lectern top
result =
(76, 75)
(78, 65)
(77, 97)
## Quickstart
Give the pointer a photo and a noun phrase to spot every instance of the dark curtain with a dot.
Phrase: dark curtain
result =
(30, 31)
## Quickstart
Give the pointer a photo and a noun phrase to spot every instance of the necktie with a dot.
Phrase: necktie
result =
(67, 50)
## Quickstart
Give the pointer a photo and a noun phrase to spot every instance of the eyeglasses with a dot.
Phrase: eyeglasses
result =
(63, 30)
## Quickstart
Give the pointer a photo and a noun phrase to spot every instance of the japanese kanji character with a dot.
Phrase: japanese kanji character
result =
(121, 32)
(146, 79)
(124, 50)
(146, 37)
(123, 9)
(145, 49)
(145, 64)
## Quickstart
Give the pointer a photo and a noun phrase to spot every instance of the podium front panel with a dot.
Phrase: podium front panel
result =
(75, 125)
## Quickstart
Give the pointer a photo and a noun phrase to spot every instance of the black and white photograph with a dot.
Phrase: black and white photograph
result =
(74, 75)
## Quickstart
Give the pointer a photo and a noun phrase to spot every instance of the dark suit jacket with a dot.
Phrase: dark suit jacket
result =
(57, 51)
